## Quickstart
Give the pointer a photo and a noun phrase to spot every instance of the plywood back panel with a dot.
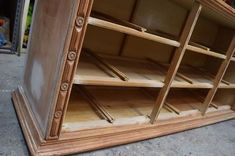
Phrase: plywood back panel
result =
(225, 97)
(230, 73)
(141, 48)
(103, 40)
(223, 39)
(45, 55)
(117, 8)
(205, 32)
(161, 15)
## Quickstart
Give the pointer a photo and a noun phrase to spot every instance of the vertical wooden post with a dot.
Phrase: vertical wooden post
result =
(178, 56)
(219, 76)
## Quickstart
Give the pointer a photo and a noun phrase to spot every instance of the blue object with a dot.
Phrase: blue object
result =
(3, 40)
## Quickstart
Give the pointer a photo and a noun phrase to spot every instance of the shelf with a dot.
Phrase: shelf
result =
(185, 101)
(125, 106)
(206, 52)
(140, 73)
(131, 31)
(129, 72)
(233, 59)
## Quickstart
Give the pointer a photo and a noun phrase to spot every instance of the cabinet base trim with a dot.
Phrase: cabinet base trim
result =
(68, 145)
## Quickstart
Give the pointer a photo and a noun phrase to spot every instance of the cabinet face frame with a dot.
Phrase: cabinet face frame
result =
(48, 139)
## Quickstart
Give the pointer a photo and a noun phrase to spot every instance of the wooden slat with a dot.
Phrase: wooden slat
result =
(173, 108)
(96, 105)
(219, 76)
(127, 30)
(178, 73)
(199, 97)
(206, 52)
(208, 75)
(117, 20)
(120, 74)
(179, 53)
(233, 59)
(199, 46)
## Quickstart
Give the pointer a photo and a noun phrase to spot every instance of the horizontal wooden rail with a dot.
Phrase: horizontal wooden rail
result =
(206, 52)
(130, 31)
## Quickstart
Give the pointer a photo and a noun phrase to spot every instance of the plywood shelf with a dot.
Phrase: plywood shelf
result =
(205, 52)
(138, 73)
(131, 31)
(126, 106)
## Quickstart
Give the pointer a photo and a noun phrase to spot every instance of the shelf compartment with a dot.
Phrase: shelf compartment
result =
(201, 69)
(213, 35)
(224, 99)
(126, 106)
(188, 102)
(229, 76)
(137, 73)
(206, 52)
(130, 31)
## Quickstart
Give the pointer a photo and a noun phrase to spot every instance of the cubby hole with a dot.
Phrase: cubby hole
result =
(224, 99)
(198, 70)
(98, 106)
(142, 63)
(212, 34)
(146, 16)
(182, 103)
(229, 76)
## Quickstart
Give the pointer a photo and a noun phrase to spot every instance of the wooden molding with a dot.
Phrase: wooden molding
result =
(75, 142)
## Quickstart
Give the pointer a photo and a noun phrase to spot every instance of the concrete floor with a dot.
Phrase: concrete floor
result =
(214, 140)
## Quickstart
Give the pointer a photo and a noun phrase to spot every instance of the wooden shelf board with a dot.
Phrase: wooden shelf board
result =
(206, 52)
(130, 31)
(126, 105)
(222, 85)
(233, 59)
(140, 73)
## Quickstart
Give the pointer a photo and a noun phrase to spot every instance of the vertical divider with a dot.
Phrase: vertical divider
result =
(177, 58)
(219, 76)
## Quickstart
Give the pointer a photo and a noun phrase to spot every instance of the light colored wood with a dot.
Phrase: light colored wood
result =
(206, 52)
(233, 59)
(112, 110)
(177, 74)
(96, 105)
(118, 21)
(120, 74)
(199, 46)
(141, 73)
(179, 53)
(219, 76)
(123, 29)
(173, 108)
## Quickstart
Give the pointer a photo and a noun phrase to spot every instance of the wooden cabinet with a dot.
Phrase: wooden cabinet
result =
(102, 73)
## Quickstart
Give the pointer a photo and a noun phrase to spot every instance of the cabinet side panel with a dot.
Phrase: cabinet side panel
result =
(45, 56)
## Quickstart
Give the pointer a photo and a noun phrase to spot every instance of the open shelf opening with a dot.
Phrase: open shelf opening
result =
(199, 70)
(142, 63)
(224, 99)
(183, 102)
(212, 35)
(229, 76)
(138, 15)
(97, 107)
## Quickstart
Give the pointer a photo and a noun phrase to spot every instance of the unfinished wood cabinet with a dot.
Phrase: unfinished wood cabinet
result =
(102, 73)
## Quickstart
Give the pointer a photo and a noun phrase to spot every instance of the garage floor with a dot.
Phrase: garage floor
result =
(214, 140)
